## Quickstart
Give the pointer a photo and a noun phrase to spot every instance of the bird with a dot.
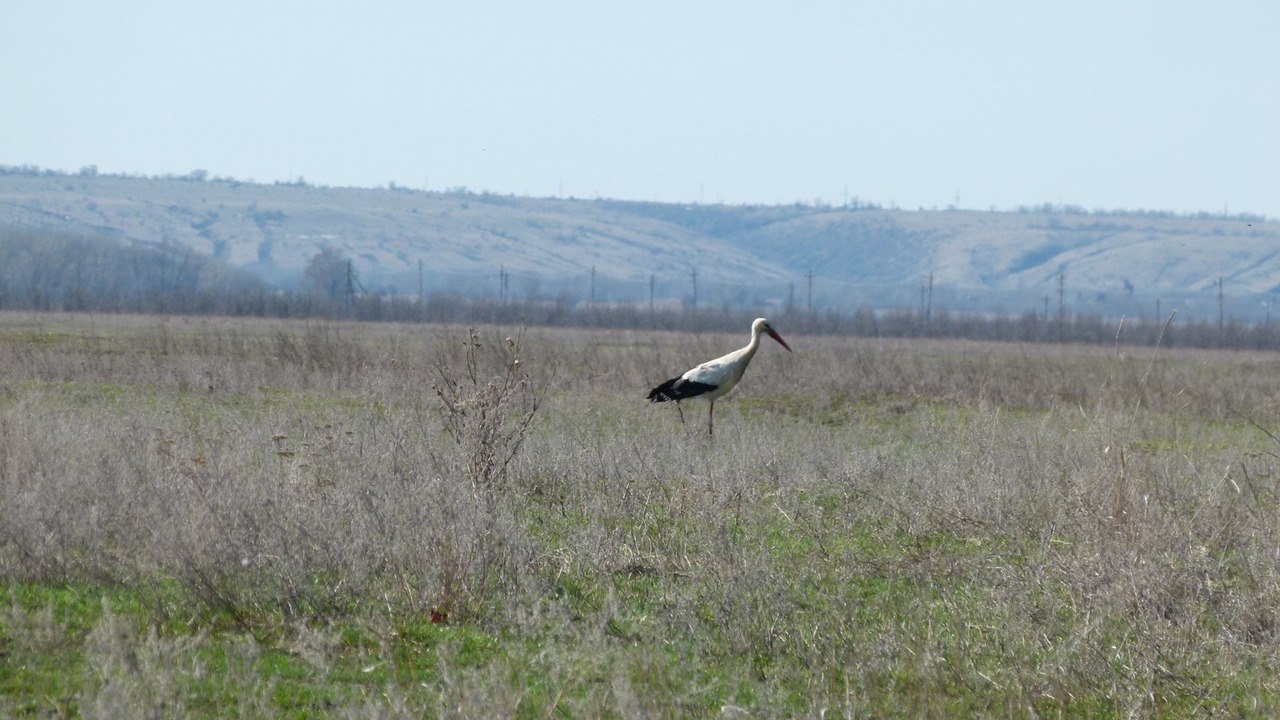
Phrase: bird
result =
(713, 379)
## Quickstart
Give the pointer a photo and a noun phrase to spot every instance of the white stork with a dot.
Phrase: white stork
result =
(714, 378)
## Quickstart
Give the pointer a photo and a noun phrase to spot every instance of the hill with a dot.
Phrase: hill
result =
(859, 256)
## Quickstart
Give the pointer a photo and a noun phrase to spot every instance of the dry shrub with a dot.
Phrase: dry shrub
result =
(486, 411)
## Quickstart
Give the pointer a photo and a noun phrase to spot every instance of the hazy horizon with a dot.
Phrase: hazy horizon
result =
(1159, 106)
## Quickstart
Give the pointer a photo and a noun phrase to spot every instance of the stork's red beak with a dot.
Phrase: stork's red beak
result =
(773, 334)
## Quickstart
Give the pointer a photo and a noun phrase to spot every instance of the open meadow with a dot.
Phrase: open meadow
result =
(205, 517)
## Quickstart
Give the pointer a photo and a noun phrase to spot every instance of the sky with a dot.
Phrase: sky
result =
(1105, 105)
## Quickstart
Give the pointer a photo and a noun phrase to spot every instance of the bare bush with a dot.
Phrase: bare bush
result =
(486, 411)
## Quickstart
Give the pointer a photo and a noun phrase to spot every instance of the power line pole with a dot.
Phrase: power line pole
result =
(1220, 318)
(928, 307)
(419, 281)
(593, 284)
(791, 297)
(809, 303)
(1062, 304)
(695, 289)
(351, 285)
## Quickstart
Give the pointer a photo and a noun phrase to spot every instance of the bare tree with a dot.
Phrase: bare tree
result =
(327, 273)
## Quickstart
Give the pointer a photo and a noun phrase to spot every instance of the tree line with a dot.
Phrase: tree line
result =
(50, 271)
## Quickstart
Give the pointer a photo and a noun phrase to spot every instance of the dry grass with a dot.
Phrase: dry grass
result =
(206, 517)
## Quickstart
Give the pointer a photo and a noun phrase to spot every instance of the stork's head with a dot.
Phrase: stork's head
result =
(762, 325)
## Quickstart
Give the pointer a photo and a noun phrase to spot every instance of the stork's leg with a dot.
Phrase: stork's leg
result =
(711, 418)
(681, 411)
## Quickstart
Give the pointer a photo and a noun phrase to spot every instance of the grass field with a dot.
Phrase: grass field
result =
(236, 518)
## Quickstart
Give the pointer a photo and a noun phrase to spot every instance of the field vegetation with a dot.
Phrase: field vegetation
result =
(207, 517)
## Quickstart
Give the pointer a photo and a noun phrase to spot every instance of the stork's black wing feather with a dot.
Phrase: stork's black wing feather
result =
(677, 389)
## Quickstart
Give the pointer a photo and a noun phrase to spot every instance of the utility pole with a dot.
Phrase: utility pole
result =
(419, 282)
(651, 280)
(1062, 291)
(1220, 318)
(809, 303)
(791, 297)
(1062, 306)
(593, 284)
(928, 307)
(695, 289)
(351, 285)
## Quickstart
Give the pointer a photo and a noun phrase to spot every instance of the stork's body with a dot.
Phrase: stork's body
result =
(713, 379)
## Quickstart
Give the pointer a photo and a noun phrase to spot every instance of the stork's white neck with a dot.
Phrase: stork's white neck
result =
(754, 345)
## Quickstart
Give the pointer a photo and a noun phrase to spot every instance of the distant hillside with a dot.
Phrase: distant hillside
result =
(1112, 263)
